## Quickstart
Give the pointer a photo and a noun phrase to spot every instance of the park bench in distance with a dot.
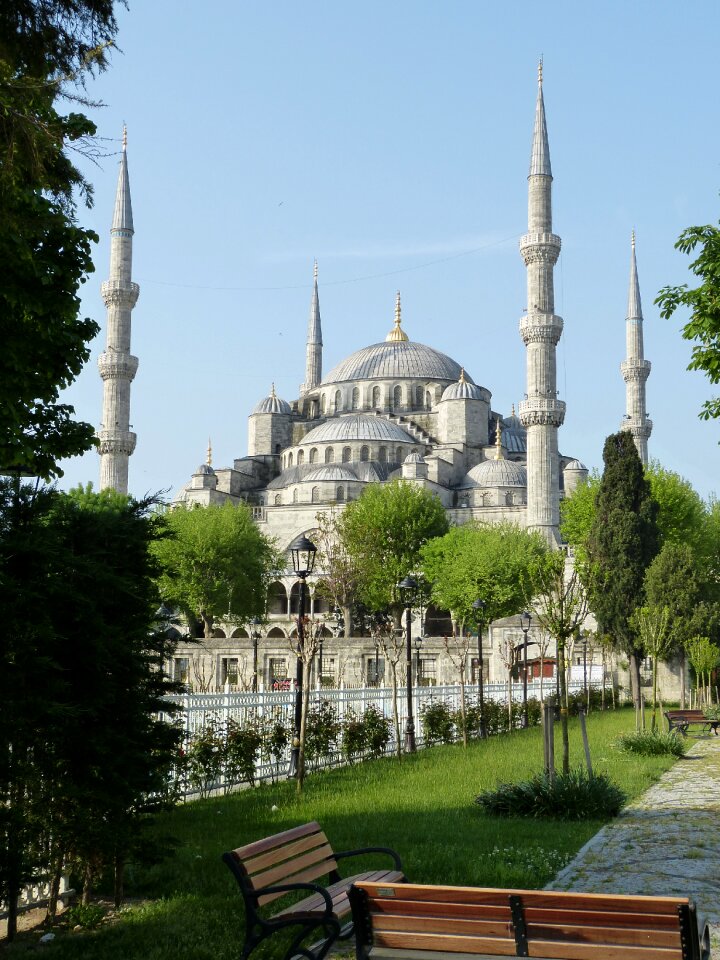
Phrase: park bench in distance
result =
(297, 860)
(417, 922)
(682, 719)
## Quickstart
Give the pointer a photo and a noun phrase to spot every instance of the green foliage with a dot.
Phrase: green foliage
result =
(322, 731)
(570, 796)
(493, 562)
(365, 735)
(384, 531)
(438, 722)
(86, 915)
(242, 745)
(681, 511)
(215, 562)
(652, 744)
(577, 515)
(703, 327)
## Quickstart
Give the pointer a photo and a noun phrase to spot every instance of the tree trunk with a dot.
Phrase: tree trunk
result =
(634, 667)
(207, 622)
(303, 722)
(55, 886)
(563, 706)
(88, 877)
(683, 671)
(653, 722)
(396, 715)
(347, 621)
(119, 887)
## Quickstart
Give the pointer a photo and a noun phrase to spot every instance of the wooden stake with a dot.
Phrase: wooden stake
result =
(586, 745)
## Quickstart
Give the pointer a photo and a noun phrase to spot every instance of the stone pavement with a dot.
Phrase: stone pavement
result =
(665, 843)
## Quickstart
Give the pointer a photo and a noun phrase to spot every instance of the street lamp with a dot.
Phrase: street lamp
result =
(525, 621)
(418, 644)
(585, 679)
(255, 637)
(407, 588)
(303, 559)
(479, 608)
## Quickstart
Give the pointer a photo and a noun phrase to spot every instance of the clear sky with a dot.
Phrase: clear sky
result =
(391, 140)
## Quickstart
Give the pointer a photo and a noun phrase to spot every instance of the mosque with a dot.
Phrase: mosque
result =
(394, 409)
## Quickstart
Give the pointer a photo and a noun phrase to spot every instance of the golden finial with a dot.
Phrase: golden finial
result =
(540, 68)
(124, 137)
(462, 374)
(397, 334)
(498, 440)
(632, 238)
(315, 271)
(272, 391)
(209, 453)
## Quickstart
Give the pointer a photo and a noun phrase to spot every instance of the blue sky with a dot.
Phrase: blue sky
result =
(391, 141)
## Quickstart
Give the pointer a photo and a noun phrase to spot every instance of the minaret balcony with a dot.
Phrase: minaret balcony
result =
(117, 366)
(540, 247)
(541, 411)
(119, 293)
(639, 427)
(635, 370)
(541, 328)
(116, 441)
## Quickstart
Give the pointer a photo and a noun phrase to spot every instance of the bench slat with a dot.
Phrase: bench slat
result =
(339, 893)
(277, 840)
(537, 951)
(255, 865)
(294, 871)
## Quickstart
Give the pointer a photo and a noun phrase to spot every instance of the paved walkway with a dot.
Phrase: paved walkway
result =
(666, 843)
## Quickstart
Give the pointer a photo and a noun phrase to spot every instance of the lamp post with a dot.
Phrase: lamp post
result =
(255, 637)
(585, 682)
(525, 621)
(303, 559)
(418, 644)
(407, 588)
(479, 608)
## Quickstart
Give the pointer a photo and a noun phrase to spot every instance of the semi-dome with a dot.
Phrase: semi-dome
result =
(272, 404)
(576, 465)
(204, 470)
(395, 360)
(463, 389)
(331, 473)
(496, 473)
(360, 426)
(414, 458)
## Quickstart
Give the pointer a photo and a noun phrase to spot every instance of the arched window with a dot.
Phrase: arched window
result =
(364, 454)
(301, 457)
(397, 397)
(340, 494)
(278, 448)
(295, 496)
(315, 497)
(278, 499)
(382, 455)
(277, 602)
(508, 499)
(313, 455)
(418, 396)
(290, 459)
(399, 455)
(355, 398)
(338, 401)
(346, 455)
(376, 397)
(323, 401)
(329, 455)
(428, 400)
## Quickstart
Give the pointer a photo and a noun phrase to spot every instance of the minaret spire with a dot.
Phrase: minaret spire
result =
(313, 347)
(117, 365)
(635, 368)
(540, 328)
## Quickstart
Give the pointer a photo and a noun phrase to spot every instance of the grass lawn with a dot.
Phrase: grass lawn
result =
(422, 806)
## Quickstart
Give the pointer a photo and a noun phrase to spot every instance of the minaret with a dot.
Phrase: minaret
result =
(635, 369)
(313, 349)
(117, 365)
(541, 413)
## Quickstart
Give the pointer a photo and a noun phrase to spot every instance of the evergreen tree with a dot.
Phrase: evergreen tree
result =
(621, 545)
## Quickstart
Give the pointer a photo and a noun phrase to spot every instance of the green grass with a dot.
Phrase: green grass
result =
(423, 806)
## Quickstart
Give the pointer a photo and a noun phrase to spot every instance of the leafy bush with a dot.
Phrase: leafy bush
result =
(88, 915)
(322, 729)
(369, 733)
(712, 713)
(572, 796)
(242, 744)
(204, 757)
(353, 736)
(438, 722)
(276, 734)
(652, 744)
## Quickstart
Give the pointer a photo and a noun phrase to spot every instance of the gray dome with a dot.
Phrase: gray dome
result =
(576, 465)
(395, 361)
(414, 458)
(272, 404)
(204, 470)
(332, 473)
(496, 473)
(462, 390)
(360, 426)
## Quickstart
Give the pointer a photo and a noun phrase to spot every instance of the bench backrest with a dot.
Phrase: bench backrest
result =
(393, 918)
(685, 714)
(300, 855)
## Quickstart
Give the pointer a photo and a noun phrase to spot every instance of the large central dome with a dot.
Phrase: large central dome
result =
(396, 361)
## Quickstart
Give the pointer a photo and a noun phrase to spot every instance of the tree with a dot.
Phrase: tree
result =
(577, 515)
(560, 603)
(703, 327)
(383, 532)
(651, 624)
(682, 514)
(704, 657)
(340, 572)
(623, 541)
(215, 563)
(46, 50)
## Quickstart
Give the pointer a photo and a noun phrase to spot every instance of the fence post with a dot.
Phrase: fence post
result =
(586, 745)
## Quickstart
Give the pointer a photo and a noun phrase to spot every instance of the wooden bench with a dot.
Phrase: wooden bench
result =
(296, 860)
(682, 719)
(413, 922)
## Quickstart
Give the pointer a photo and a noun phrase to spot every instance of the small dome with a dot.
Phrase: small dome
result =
(414, 458)
(496, 473)
(204, 470)
(361, 426)
(331, 473)
(463, 390)
(576, 465)
(273, 404)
